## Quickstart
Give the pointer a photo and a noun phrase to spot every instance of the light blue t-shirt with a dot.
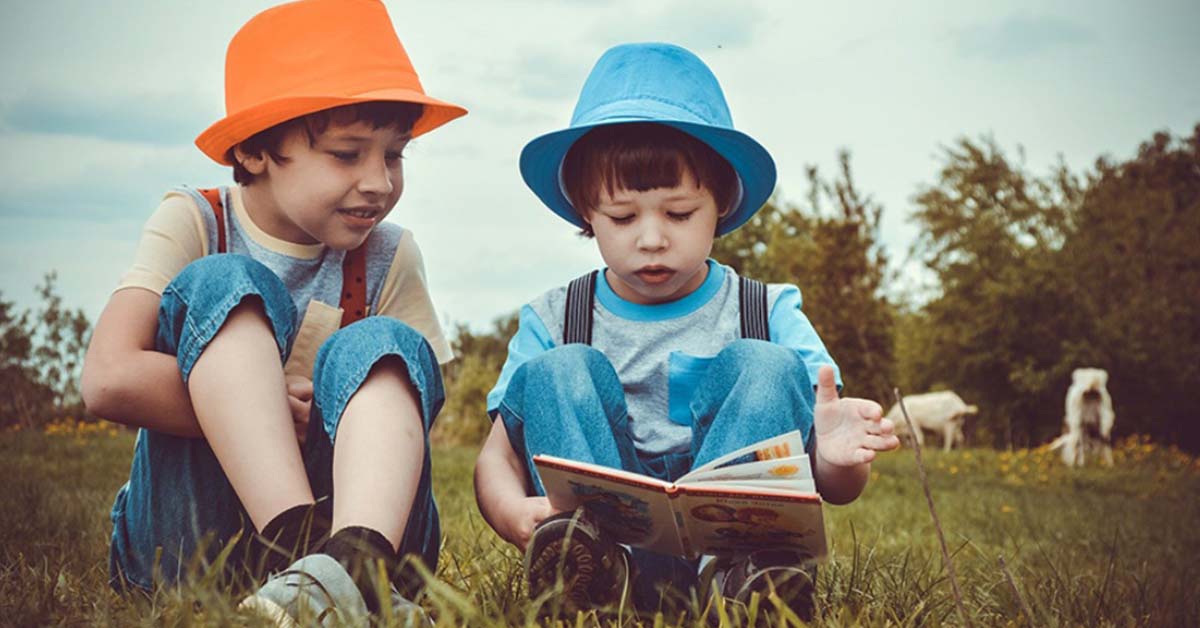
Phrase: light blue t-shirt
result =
(660, 352)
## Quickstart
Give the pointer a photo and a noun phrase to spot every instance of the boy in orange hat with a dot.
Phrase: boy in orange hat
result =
(260, 419)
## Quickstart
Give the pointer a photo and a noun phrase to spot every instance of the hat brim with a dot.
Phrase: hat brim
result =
(232, 130)
(541, 161)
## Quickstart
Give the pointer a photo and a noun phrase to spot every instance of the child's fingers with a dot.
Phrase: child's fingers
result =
(826, 386)
(300, 424)
(880, 443)
(869, 410)
(301, 390)
(300, 408)
(880, 428)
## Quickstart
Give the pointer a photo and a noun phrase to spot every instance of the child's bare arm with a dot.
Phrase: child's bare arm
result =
(502, 491)
(849, 433)
(125, 380)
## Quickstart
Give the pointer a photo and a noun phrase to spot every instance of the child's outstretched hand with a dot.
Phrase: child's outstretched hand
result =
(849, 431)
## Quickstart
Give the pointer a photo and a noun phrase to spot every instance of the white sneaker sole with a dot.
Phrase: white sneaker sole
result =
(268, 609)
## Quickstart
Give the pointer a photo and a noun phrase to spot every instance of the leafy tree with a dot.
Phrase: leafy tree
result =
(24, 395)
(1135, 285)
(990, 235)
(62, 341)
(41, 356)
(834, 256)
(468, 380)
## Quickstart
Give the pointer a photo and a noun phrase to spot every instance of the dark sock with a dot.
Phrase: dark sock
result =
(358, 549)
(289, 535)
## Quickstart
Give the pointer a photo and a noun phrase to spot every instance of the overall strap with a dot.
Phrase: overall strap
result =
(354, 264)
(354, 285)
(581, 297)
(752, 302)
(213, 196)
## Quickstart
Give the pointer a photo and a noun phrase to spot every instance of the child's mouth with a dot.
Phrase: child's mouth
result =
(655, 275)
(359, 218)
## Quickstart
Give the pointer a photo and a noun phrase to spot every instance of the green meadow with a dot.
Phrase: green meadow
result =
(1032, 543)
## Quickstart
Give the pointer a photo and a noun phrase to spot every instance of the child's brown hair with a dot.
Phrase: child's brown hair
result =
(642, 156)
(379, 114)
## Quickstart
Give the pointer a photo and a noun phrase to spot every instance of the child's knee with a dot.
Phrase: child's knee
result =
(211, 290)
(224, 281)
(229, 270)
(368, 341)
(573, 372)
(376, 346)
(763, 359)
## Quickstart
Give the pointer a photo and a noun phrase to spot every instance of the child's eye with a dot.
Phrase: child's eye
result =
(621, 220)
(393, 156)
(680, 216)
(346, 156)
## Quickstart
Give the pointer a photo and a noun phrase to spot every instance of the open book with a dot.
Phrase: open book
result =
(756, 497)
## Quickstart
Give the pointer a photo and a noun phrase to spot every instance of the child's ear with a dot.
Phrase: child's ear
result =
(254, 163)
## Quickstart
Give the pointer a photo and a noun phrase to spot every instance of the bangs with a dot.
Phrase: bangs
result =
(377, 113)
(641, 157)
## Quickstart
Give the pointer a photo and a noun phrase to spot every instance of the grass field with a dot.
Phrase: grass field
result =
(1087, 547)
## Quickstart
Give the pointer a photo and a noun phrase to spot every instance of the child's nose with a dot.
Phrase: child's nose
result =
(376, 178)
(652, 237)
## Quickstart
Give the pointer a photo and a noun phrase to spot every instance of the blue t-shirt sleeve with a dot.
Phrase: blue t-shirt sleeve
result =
(532, 339)
(791, 328)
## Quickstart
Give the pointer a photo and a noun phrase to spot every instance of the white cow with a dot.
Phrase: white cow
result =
(1089, 418)
(941, 412)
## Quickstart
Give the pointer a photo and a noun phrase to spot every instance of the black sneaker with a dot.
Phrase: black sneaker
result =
(594, 571)
(789, 574)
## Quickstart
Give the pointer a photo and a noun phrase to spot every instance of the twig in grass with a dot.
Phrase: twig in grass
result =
(937, 523)
(1017, 593)
(1112, 561)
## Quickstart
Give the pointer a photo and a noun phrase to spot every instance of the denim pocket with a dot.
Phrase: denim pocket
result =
(683, 376)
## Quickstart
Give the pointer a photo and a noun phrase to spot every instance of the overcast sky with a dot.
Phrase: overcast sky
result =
(102, 100)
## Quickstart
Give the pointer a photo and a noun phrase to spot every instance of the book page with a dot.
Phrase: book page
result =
(782, 446)
(792, 473)
(634, 509)
(722, 520)
(804, 487)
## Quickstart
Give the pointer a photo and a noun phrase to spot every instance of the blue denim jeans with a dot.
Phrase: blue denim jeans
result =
(568, 403)
(178, 509)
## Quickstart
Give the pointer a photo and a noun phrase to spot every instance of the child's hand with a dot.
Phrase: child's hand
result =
(525, 515)
(849, 431)
(300, 393)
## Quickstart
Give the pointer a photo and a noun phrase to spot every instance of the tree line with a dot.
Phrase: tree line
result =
(1033, 276)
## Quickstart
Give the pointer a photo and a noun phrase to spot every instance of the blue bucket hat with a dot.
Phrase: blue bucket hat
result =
(660, 83)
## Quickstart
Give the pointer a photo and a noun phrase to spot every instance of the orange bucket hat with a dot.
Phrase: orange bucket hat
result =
(302, 57)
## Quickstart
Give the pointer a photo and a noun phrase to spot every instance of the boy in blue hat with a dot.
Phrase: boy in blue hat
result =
(665, 359)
